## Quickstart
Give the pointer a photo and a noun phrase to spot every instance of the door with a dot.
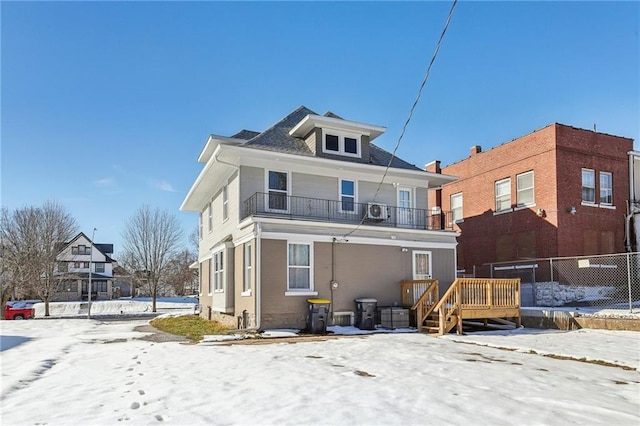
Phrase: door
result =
(405, 207)
(421, 265)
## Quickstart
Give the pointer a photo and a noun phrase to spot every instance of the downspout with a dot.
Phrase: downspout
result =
(333, 282)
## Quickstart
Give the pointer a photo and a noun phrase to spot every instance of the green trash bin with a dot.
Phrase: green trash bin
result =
(318, 315)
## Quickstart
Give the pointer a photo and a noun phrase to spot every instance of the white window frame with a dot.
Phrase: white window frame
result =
(225, 203)
(99, 270)
(454, 218)
(267, 191)
(301, 291)
(201, 224)
(501, 198)
(341, 195)
(604, 190)
(341, 142)
(211, 216)
(247, 269)
(593, 188)
(520, 190)
(217, 272)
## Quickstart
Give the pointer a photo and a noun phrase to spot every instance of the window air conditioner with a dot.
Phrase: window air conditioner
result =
(377, 211)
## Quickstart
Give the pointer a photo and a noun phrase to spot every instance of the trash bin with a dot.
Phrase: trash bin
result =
(366, 310)
(318, 315)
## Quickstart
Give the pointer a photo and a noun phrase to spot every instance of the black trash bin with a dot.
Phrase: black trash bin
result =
(366, 310)
(318, 315)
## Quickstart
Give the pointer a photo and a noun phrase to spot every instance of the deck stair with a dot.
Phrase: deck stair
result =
(485, 299)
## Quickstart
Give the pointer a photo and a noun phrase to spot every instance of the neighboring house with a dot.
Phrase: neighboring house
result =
(559, 191)
(73, 270)
(632, 234)
(299, 211)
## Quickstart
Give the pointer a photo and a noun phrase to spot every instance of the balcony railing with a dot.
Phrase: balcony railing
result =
(302, 208)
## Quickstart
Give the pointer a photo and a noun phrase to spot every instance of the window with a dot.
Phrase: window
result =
(85, 265)
(200, 222)
(503, 194)
(456, 207)
(225, 203)
(526, 195)
(63, 267)
(606, 188)
(299, 266)
(278, 188)
(99, 267)
(217, 271)
(211, 215)
(347, 196)
(341, 143)
(247, 268)
(74, 250)
(588, 186)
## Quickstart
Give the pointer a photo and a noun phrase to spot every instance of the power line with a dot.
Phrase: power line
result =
(411, 111)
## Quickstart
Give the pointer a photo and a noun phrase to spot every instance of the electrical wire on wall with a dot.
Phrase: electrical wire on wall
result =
(410, 116)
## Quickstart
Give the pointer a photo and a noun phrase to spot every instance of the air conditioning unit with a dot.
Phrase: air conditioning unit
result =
(377, 211)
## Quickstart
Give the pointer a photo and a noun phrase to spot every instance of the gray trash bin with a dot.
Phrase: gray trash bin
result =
(366, 310)
(318, 315)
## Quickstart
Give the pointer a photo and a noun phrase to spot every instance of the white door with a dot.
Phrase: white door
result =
(421, 265)
(405, 207)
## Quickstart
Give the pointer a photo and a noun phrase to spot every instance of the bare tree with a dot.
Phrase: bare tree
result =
(150, 240)
(31, 241)
(179, 274)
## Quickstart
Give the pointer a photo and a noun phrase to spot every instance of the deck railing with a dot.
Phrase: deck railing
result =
(466, 298)
(346, 211)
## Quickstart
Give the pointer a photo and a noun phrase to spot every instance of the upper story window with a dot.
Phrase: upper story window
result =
(278, 190)
(503, 194)
(63, 267)
(606, 188)
(211, 215)
(347, 196)
(99, 267)
(456, 207)
(588, 186)
(200, 224)
(526, 194)
(225, 203)
(341, 143)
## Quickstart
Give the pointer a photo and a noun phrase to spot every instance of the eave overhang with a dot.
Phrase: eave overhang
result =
(310, 122)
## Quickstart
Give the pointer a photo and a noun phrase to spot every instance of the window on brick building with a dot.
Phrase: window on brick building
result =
(606, 188)
(456, 207)
(588, 186)
(526, 195)
(503, 194)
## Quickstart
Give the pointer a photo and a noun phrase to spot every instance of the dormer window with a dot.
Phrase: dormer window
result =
(341, 143)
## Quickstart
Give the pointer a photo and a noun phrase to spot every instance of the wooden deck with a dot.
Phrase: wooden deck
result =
(467, 298)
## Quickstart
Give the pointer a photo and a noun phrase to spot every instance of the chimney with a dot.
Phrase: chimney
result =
(476, 149)
(433, 167)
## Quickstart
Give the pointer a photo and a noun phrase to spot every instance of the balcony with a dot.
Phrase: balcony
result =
(375, 214)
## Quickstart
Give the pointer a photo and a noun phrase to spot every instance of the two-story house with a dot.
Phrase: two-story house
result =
(77, 257)
(311, 208)
(558, 191)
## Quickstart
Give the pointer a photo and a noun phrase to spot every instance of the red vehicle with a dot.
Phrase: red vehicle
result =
(19, 309)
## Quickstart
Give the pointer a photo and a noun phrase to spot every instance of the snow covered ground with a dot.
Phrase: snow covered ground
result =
(118, 307)
(81, 371)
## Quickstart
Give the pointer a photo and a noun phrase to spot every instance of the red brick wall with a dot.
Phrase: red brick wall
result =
(556, 154)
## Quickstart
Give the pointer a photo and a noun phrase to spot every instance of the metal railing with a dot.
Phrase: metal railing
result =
(597, 282)
(304, 208)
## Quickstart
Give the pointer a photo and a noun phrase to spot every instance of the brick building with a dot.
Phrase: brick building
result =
(558, 191)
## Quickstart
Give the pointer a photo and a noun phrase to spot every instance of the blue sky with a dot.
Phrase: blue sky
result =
(106, 105)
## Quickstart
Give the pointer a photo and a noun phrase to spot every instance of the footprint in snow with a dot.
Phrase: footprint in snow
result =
(135, 406)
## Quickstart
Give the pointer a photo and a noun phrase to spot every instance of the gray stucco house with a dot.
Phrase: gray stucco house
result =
(311, 207)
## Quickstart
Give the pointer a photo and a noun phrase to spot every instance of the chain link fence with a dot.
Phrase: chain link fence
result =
(600, 282)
